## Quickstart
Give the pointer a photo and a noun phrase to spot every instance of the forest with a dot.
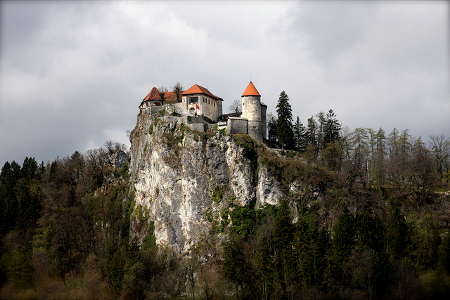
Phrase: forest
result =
(374, 225)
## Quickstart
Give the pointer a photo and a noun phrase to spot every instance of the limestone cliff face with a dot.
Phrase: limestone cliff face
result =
(183, 179)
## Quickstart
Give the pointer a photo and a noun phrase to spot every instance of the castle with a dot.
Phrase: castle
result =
(199, 101)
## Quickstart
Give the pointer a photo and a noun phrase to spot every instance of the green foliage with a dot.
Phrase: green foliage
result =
(242, 218)
(115, 269)
(237, 267)
(331, 128)
(249, 147)
(145, 147)
(312, 247)
(300, 138)
(150, 129)
(371, 232)
(344, 238)
(218, 193)
(67, 225)
(123, 172)
(425, 241)
(398, 235)
(150, 239)
(224, 219)
(284, 122)
(444, 253)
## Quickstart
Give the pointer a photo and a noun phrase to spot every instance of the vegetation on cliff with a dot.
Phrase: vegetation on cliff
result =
(363, 215)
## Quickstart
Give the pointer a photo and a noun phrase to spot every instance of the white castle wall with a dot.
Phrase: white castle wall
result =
(252, 121)
(208, 107)
(251, 110)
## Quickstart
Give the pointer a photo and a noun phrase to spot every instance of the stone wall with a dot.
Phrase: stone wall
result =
(236, 125)
(264, 120)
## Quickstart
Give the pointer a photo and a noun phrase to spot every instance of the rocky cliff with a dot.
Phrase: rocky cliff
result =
(184, 180)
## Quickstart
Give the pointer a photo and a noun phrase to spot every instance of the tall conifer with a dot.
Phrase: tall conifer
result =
(300, 135)
(284, 123)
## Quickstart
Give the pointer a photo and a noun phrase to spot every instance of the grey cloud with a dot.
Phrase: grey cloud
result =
(87, 66)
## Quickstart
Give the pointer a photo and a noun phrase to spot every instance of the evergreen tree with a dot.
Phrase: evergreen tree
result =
(344, 236)
(320, 131)
(299, 135)
(360, 154)
(311, 132)
(272, 128)
(444, 253)
(371, 231)
(331, 128)
(379, 158)
(398, 235)
(283, 238)
(284, 123)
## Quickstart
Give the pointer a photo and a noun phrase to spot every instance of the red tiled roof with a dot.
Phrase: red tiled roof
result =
(251, 90)
(154, 95)
(196, 89)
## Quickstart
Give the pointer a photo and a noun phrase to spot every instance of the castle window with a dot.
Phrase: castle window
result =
(193, 100)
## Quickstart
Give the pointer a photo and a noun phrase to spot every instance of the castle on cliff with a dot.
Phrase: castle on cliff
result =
(199, 101)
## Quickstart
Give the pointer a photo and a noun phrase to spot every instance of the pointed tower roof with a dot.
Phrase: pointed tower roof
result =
(250, 90)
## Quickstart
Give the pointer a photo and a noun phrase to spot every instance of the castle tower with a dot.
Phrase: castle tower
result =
(253, 111)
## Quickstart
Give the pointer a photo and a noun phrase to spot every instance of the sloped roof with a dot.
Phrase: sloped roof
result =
(154, 95)
(251, 90)
(196, 89)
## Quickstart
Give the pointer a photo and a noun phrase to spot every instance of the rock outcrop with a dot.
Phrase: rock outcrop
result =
(183, 179)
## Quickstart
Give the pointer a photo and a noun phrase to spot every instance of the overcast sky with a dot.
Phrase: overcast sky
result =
(74, 73)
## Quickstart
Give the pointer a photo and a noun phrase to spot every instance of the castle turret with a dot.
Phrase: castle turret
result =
(253, 112)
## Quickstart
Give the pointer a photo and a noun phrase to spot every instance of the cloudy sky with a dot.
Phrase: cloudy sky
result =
(73, 73)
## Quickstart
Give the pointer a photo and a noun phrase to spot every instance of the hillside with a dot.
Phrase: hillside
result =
(196, 214)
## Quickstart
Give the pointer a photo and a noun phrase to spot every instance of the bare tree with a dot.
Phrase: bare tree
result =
(235, 106)
(177, 89)
(162, 90)
(440, 147)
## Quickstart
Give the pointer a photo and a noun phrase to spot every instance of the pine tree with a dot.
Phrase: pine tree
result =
(284, 123)
(272, 128)
(379, 158)
(299, 135)
(311, 132)
(344, 236)
(331, 128)
(398, 235)
(320, 131)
